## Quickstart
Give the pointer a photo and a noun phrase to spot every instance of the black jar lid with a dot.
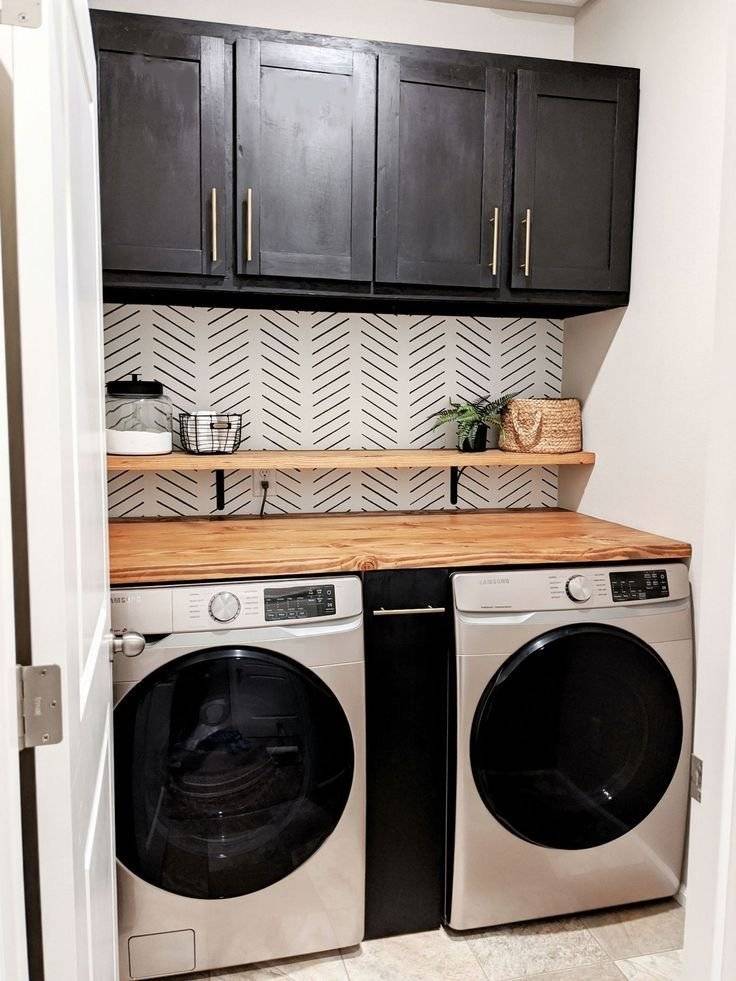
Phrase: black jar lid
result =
(141, 389)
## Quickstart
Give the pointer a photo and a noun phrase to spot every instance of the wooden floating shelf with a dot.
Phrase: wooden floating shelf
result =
(452, 460)
(344, 460)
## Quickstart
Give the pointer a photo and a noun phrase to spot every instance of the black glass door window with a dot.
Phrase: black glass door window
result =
(577, 737)
(232, 767)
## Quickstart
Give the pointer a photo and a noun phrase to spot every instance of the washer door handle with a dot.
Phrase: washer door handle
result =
(128, 642)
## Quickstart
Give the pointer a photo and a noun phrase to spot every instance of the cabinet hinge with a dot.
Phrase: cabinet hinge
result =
(39, 705)
(20, 13)
(696, 777)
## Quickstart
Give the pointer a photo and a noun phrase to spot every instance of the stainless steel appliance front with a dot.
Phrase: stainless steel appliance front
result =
(574, 713)
(240, 772)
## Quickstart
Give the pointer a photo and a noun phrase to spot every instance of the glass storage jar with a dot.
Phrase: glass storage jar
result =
(138, 418)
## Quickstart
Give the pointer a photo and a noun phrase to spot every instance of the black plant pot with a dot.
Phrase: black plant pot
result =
(477, 442)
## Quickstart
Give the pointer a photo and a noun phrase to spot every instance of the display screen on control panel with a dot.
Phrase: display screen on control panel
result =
(638, 585)
(299, 602)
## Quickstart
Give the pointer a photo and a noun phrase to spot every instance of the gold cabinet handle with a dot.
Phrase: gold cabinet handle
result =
(494, 251)
(214, 223)
(528, 242)
(249, 226)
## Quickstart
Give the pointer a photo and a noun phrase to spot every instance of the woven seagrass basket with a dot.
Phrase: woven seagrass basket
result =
(542, 426)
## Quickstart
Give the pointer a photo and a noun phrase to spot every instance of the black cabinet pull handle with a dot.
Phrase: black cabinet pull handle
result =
(408, 611)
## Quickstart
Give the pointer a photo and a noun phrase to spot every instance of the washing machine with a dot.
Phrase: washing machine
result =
(239, 772)
(574, 693)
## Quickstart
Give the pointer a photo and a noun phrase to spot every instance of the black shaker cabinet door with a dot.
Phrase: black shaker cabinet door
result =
(162, 152)
(305, 160)
(441, 132)
(232, 767)
(577, 737)
(574, 167)
(407, 633)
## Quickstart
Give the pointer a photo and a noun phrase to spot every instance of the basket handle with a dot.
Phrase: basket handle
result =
(530, 433)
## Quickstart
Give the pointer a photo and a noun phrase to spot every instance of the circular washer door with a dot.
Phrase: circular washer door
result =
(577, 737)
(232, 767)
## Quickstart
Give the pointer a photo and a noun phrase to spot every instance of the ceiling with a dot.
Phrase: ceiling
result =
(566, 8)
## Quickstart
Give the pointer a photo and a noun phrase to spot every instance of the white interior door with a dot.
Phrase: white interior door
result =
(60, 313)
(13, 961)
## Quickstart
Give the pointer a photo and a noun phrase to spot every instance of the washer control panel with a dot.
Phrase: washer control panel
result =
(299, 602)
(235, 605)
(639, 584)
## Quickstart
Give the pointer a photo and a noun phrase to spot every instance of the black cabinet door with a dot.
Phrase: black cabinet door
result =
(573, 181)
(162, 151)
(406, 663)
(305, 160)
(441, 129)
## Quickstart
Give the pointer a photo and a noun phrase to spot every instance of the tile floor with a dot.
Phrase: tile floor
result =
(637, 942)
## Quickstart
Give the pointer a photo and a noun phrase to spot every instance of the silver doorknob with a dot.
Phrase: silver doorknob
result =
(578, 589)
(128, 642)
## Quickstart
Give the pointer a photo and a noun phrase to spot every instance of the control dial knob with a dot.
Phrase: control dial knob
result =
(224, 607)
(578, 589)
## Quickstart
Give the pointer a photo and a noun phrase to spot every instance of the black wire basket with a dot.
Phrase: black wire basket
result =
(210, 432)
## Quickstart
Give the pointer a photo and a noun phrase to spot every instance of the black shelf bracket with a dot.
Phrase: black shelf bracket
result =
(455, 474)
(220, 489)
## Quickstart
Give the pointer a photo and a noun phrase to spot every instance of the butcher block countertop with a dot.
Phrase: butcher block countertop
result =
(149, 550)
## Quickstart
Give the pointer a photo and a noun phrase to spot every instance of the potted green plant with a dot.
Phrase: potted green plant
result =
(473, 420)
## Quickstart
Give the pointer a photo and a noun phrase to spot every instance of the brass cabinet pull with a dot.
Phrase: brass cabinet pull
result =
(214, 224)
(409, 611)
(494, 252)
(249, 226)
(528, 243)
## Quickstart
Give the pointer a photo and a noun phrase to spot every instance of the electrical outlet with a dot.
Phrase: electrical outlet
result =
(262, 489)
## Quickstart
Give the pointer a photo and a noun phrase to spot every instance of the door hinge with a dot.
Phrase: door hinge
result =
(39, 705)
(20, 13)
(696, 778)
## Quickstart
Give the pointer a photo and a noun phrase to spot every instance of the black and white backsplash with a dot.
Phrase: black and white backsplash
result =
(332, 381)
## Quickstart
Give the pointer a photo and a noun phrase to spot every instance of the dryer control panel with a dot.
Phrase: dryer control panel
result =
(583, 587)
(639, 584)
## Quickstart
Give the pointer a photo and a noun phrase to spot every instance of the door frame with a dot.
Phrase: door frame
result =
(710, 940)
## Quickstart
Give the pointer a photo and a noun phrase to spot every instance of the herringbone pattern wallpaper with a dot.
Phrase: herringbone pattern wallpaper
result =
(330, 380)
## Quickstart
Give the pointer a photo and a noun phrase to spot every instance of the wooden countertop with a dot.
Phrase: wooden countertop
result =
(189, 549)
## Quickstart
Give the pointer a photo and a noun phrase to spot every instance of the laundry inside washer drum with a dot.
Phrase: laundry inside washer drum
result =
(232, 767)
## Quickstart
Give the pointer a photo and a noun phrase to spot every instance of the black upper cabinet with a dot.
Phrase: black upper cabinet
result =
(162, 152)
(441, 128)
(575, 156)
(255, 167)
(305, 150)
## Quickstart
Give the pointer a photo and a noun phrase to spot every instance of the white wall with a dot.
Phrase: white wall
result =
(444, 25)
(654, 376)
